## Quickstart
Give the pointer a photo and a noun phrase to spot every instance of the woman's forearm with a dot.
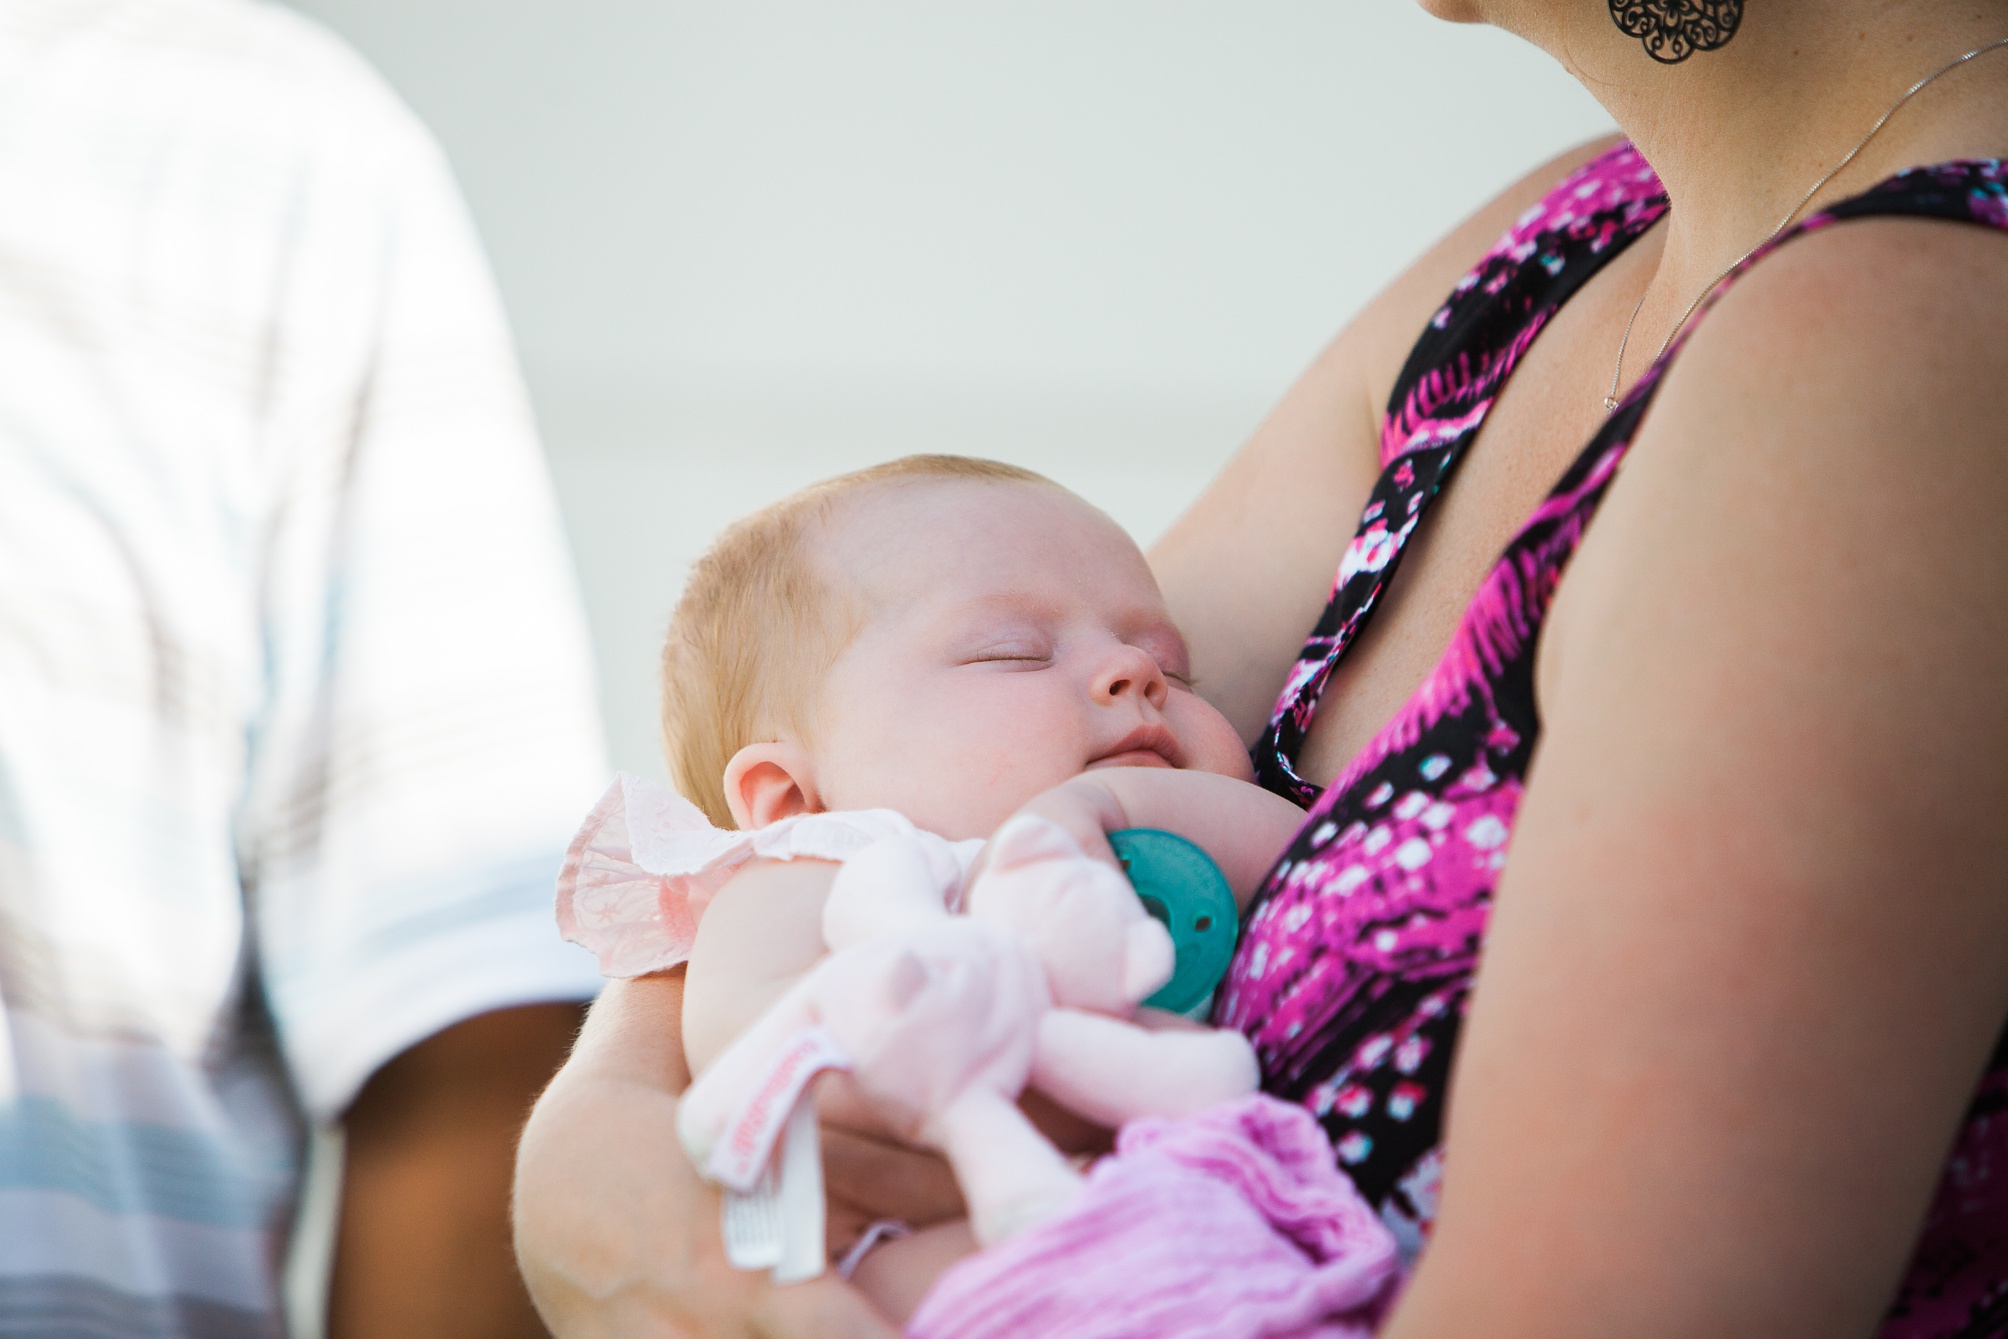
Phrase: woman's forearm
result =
(615, 1233)
(587, 1222)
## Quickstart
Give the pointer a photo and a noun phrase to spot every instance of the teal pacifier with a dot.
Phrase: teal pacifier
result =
(1180, 886)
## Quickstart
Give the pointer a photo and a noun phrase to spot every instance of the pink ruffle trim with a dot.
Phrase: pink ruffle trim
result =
(646, 862)
(1235, 1224)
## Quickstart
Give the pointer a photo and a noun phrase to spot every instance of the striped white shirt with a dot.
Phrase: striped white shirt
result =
(295, 709)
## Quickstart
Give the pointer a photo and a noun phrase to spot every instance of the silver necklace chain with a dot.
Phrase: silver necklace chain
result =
(1617, 373)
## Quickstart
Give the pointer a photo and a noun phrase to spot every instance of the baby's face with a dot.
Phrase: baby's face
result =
(1013, 637)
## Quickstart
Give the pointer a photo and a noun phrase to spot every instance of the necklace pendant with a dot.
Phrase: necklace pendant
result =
(1610, 405)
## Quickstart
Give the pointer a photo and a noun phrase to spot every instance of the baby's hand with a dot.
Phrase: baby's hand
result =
(1241, 826)
(1084, 922)
(1085, 809)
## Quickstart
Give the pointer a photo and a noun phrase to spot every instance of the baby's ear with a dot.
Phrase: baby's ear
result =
(765, 783)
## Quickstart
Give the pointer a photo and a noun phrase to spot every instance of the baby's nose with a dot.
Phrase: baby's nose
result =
(1131, 671)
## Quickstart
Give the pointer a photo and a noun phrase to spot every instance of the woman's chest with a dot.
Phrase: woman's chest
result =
(1353, 971)
(1534, 427)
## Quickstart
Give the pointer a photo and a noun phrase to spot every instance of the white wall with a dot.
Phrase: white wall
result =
(748, 243)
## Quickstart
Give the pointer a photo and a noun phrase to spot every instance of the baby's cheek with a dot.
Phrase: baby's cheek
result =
(1021, 780)
(1212, 746)
(978, 807)
(948, 793)
(970, 805)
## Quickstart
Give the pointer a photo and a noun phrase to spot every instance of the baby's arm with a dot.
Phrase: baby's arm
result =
(762, 931)
(895, 1275)
(1243, 827)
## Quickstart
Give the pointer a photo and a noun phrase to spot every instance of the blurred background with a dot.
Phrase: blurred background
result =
(749, 243)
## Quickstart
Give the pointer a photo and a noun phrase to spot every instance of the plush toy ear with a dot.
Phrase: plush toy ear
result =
(765, 783)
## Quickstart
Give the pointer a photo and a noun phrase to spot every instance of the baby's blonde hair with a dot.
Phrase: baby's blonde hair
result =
(757, 627)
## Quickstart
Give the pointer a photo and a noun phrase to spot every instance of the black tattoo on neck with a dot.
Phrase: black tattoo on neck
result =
(1673, 30)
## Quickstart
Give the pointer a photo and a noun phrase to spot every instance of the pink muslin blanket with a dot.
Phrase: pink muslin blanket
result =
(1234, 1224)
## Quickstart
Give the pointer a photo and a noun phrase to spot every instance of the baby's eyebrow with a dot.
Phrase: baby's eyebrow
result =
(1010, 604)
(986, 617)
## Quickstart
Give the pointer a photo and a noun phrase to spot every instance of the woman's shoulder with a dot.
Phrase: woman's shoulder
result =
(1386, 328)
(1881, 333)
(1825, 446)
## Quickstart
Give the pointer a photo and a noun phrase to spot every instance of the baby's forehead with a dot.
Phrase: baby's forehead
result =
(907, 534)
(923, 571)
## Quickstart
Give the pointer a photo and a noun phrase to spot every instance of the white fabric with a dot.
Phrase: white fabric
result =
(646, 862)
(294, 703)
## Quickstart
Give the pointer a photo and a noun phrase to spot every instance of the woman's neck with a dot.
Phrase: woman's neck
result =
(1739, 134)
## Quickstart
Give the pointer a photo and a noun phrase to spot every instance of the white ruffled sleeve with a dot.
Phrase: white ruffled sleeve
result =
(646, 862)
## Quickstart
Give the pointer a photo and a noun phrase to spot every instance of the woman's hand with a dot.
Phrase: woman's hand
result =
(615, 1233)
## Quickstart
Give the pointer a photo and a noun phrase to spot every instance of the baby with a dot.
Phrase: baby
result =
(924, 650)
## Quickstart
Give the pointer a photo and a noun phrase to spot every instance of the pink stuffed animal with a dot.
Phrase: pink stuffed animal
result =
(943, 1020)
(1102, 954)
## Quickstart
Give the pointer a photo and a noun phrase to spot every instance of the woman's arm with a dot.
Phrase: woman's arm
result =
(1751, 952)
(624, 1243)
(1248, 568)
(615, 1233)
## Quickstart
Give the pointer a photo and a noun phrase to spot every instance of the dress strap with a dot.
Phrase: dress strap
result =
(1452, 377)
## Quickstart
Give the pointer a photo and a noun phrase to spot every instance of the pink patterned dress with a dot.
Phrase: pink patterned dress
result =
(1356, 962)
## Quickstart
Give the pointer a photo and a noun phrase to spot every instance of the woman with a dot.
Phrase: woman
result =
(1729, 1066)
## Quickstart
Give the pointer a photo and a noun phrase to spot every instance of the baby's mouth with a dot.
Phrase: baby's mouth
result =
(1145, 746)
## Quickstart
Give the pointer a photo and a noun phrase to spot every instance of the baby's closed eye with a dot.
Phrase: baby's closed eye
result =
(1023, 652)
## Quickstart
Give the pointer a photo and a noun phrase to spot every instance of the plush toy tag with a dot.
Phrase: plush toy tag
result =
(751, 1226)
(740, 1157)
(773, 1216)
(779, 1224)
(800, 1190)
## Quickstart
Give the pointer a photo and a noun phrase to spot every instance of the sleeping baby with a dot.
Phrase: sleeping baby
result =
(904, 708)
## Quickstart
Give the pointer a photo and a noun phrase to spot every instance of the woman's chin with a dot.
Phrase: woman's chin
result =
(1455, 11)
